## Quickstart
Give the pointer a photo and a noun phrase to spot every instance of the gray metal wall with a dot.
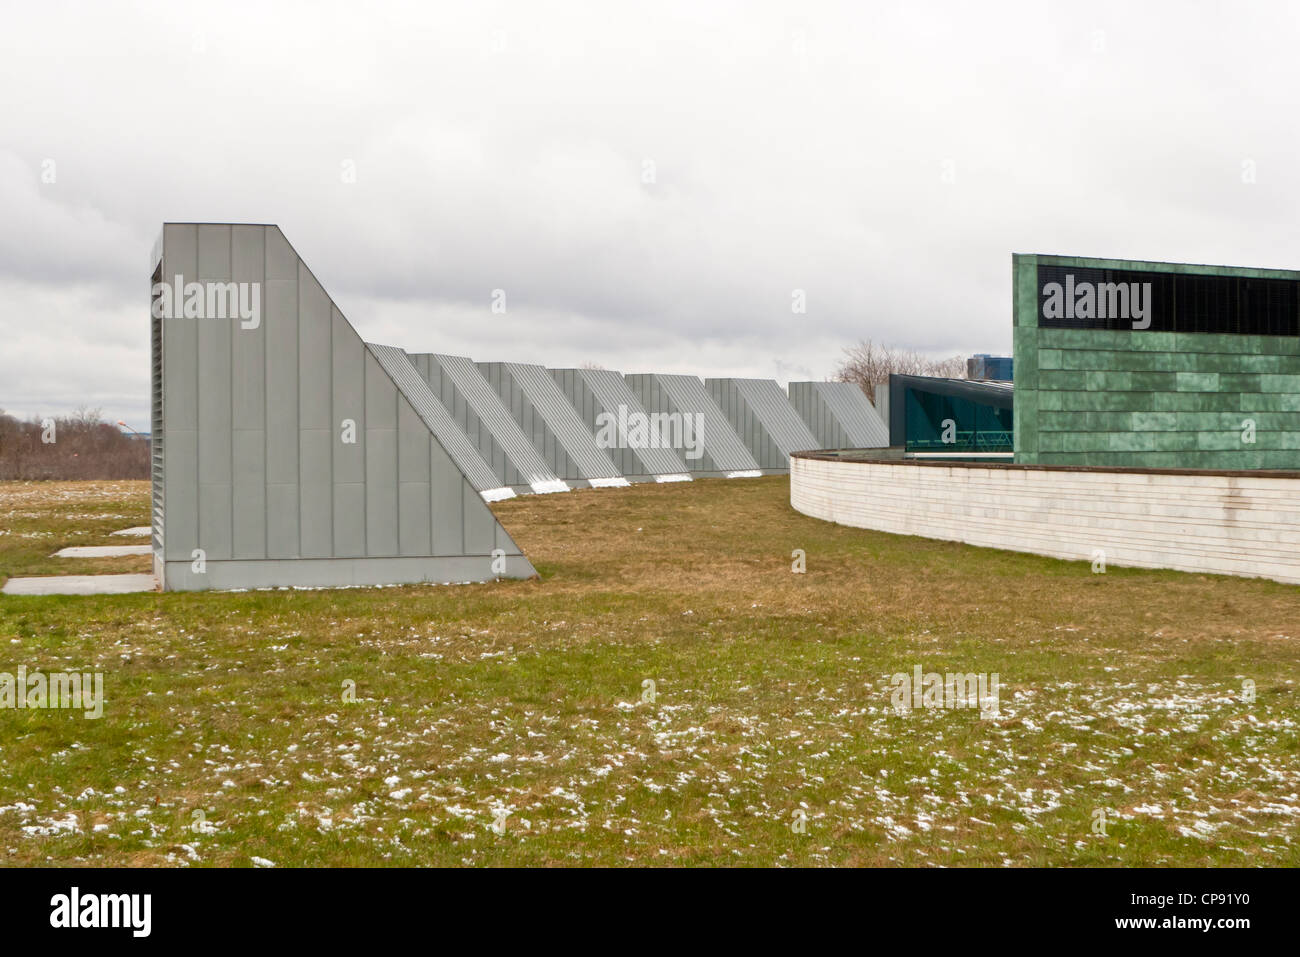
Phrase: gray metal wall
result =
(724, 453)
(595, 392)
(549, 420)
(435, 415)
(762, 416)
(881, 401)
(839, 415)
(488, 424)
(254, 469)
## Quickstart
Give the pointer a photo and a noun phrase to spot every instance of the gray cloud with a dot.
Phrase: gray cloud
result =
(887, 161)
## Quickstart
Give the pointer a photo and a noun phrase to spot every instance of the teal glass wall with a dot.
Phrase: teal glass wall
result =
(975, 426)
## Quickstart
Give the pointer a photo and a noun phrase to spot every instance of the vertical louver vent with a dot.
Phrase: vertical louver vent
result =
(156, 425)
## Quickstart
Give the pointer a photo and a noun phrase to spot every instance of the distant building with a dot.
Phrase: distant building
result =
(984, 367)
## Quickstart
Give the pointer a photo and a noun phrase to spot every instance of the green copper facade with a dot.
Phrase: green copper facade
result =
(1150, 398)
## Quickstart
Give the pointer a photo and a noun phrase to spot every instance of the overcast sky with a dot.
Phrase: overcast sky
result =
(887, 159)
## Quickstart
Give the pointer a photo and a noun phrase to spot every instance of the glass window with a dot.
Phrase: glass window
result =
(1178, 302)
(968, 425)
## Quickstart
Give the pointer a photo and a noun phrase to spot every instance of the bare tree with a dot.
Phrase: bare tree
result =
(869, 365)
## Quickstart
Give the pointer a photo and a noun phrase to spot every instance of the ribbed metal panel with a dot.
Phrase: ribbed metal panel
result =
(436, 417)
(770, 403)
(500, 424)
(547, 417)
(287, 452)
(839, 415)
(856, 414)
(723, 449)
(596, 391)
(763, 417)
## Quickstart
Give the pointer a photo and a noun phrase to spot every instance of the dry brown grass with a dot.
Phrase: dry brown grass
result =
(1120, 691)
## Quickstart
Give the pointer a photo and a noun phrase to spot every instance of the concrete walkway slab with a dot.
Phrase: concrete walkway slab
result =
(140, 531)
(79, 585)
(102, 551)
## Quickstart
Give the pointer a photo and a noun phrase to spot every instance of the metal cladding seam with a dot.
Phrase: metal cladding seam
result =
(611, 391)
(496, 418)
(687, 394)
(435, 415)
(856, 415)
(563, 420)
(770, 404)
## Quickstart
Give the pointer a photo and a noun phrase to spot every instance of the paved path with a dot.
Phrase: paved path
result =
(79, 585)
(102, 551)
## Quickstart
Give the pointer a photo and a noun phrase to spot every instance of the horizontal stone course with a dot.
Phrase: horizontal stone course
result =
(1222, 524)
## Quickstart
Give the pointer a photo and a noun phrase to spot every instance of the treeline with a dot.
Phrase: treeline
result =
(79, 446)
(869, 365)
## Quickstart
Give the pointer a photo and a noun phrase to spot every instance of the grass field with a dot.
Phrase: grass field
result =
(509, 723)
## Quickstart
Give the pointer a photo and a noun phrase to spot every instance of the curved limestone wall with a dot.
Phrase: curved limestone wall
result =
(1229, 523)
